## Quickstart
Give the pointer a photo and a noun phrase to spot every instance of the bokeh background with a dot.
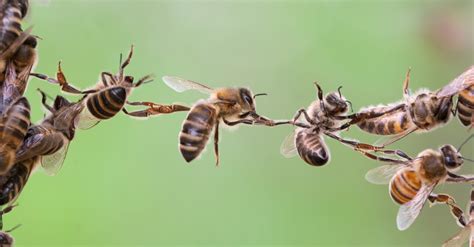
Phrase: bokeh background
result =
(124, 181)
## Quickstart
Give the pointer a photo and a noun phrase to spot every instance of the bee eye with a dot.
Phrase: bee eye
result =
(248, 99)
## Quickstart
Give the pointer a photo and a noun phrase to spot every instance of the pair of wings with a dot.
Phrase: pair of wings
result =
(409, 211)
(51, 163)
(460, 83)
(180, 85)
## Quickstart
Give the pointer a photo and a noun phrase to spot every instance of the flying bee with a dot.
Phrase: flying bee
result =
(109, 96)
(6, 240)
(231, 105)
(422, 111)
(14, 123)
(412, 180)
(50, 139)
(324, 116)
(467, 232)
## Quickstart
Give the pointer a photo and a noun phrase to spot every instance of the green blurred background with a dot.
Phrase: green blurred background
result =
(124, 182)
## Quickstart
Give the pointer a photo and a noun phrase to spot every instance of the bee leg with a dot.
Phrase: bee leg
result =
(406, 82)
(106, 77)
(320, 97)
(154, 109)
(60, 80)
(455, 178)
(380, 158)
(216, 142)
(143, 80)
(306, 116)
(397, 152)
(43, 100)
(356, 145)
(241, 121)
(456, 211)
(8, 209)
(125, 63)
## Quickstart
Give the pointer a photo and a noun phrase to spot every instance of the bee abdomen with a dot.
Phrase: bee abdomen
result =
(311, 148)
(15, 181)
(107, 103)
(466, 106)
(404, 186)
(10, 18)
(389, 124)
(196, 130)
(13, 129)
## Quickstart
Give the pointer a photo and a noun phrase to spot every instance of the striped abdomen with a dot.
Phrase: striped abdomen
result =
(311, 147)
(15, 181)
(466, 106)
(13, 128)
(390, 124)
(196, 130)
(40, 141)
(404, 186)
(11, 14)
(106, 103)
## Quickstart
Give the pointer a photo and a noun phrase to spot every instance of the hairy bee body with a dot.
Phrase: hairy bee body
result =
(465, 106)
(196, 129)
(15, 180)
(429, 168)
(13, 128)
(106, 103)
(423, 111)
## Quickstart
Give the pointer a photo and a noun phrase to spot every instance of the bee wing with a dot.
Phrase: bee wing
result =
(459, 239)
(288, 147)
(52, 163)
(180, 85)
(383, 174)
(85, 120)
(462, 82)
(409, 211)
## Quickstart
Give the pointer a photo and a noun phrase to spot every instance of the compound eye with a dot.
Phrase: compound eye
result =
(247, 99)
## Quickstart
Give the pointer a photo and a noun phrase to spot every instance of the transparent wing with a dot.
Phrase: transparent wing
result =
(52, 163)
(181, 85)
(85, 120)
(383, 174)
(463, 81)
(409, 211)
(459, 239)
(288, 147)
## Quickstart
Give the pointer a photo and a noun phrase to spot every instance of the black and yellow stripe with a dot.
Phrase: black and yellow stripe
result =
(13, 128)
(389, 124)
(404, 186)
(107, 103)
(311, 147)
(11, 14)
(15, 181)
(196, 130)
(465, 106)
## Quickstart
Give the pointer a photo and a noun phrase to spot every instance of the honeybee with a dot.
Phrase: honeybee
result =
(109, 96)
(465, 106)
(15, 44)
(231, 105)
(50, 139)
(324, 116)
(14, 123)
(412, 181)
(6, 240)
(467, 232)
(422, 111)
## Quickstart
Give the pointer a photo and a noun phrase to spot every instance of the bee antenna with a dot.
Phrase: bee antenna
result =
(260, 94)
(466, 141)
(14, 228)
(120, 60)
(471, 160)
(350, 105)
(339, 91)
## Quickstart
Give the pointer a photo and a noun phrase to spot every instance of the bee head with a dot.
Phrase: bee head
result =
(248, 103)
(128, 80)
(335, 103)
(452, 158)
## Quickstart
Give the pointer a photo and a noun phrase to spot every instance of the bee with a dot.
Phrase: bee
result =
(465, 106)
(14, 123)
(51, 138)
(412, 180)
(6, 240)
(324, 116)
(231, 105)
(422, 111)
(467, 231)
(15, 44)
(109, 96)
